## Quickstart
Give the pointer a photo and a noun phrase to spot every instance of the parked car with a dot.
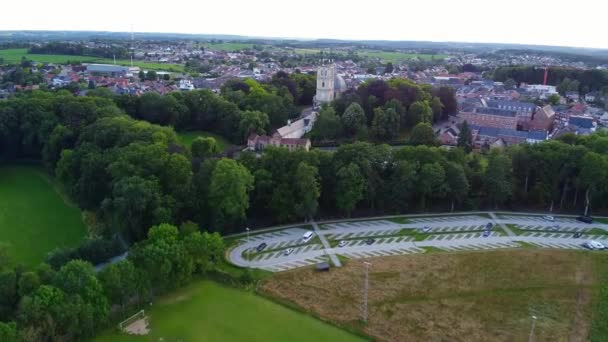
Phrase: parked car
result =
(577, 235)
(342, 243)
(426, 229)
(487, 233)
(307, 236)
(489, 226)
(594, 245)
(261, 246)
(369, 241)
(288, 251)
(585, 219)
(549, 218)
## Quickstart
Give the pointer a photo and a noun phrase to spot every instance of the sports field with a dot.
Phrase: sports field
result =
(207, 311)
(186, 138)
(34, 218)
(14, 56)
(461, 296)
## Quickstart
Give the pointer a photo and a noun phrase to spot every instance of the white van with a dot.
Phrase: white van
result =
(307, 236)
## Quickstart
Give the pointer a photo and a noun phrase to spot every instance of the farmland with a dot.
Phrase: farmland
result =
(230, 47)
(207, 311)
(386, 56)
(34, 217)
(472, 296)
(15, 55)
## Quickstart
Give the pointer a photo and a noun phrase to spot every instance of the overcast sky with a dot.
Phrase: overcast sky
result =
(549, 22)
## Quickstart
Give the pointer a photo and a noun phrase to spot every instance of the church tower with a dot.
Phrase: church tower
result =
(326, 76)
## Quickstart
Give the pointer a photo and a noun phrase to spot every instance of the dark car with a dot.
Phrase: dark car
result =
(585, 219)
(369, 241)
(487, 233)
(261, 246)
(489, 226)
(577, 235)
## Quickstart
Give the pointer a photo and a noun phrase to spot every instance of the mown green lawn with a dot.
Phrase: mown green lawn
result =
(186, 138)
(34, 218)
(14, 56)
(227, 46)
(207, 311)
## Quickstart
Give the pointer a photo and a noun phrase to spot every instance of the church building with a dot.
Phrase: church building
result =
(330, 85)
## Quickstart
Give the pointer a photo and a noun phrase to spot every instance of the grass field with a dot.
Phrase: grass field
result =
(207, 311)
(465, 296)
(14, 55)
(227, 46)
(186, 138)
(34, 218)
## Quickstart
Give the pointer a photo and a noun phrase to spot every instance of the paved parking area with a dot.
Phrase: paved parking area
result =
(450, 233)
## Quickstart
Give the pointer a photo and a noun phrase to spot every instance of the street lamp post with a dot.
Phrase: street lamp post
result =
(531, 337)
(248, 252)
(365, 290)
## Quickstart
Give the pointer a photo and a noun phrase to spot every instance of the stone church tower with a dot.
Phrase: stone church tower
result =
(325, 83)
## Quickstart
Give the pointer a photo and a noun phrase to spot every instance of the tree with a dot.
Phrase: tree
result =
(229, 193)
(328, 125)
(554, 99)
(354, 119)
(385, 125)
(8, 331)
(28, 283)
(120, 282)
(510, 84)
(423, 134)
(419, 112)
(91, 85)
(437, 108)
(203, 147)
(465, 138)
(350, 187)
(307, 190)
(498, 179)
(151, 75)
(206, 250)
(253, 121)
(457, 183)
(142, 75)
(431, 181)
(389, 68)
(593, 176)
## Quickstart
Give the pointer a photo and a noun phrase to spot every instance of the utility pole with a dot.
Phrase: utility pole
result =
(365, 290)
(531, 337)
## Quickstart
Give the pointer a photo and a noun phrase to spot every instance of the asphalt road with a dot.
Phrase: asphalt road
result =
(450, 233)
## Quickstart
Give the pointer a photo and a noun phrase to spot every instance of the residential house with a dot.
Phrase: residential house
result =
(543, 119)
(581, 124)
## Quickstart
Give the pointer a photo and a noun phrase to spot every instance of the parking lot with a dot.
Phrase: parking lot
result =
(374, 238)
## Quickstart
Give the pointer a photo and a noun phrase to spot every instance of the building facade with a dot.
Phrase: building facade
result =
(330, 85)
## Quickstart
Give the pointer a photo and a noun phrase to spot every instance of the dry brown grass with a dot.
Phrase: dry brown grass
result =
(474, 296)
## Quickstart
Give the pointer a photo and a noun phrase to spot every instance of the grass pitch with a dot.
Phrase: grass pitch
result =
(34, 217)
(186, 138)
(465, 296)
(207, 311)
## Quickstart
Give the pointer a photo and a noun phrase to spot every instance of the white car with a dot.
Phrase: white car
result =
(593, 245)
(288, 251)
(549, 218)
(426, 229)
(307, 236)
(342, 243)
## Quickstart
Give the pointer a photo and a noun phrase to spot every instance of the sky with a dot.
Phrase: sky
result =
(580, 23)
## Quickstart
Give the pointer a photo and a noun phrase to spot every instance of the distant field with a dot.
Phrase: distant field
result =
(463, 296)
(186, 138)
(34, 219)
(209, 312)
(227, 46)
(384, 55)
(14, 55)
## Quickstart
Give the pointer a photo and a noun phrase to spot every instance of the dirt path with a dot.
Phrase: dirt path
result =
(580, 323)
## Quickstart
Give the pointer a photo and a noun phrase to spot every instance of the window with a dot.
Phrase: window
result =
(323, 84)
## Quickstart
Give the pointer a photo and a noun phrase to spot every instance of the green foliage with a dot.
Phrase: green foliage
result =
(385, 125)
(229, 193)
(253, 122)
(203, 147)
(423, 134)
(307, 190)
(465, 138)
(328, 126)
(498, 178)
(419, 112)
(350, 186)
(354, 120)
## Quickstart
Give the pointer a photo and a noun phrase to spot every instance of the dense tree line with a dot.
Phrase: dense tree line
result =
(76, 49)
(586, 80)
(73, 302)
(380, 111)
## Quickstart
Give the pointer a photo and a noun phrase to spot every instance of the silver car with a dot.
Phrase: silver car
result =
(288, 251)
